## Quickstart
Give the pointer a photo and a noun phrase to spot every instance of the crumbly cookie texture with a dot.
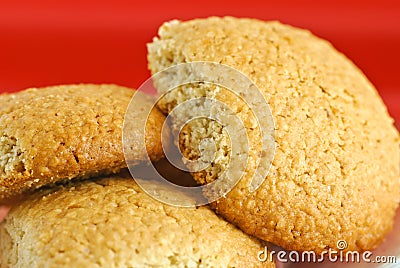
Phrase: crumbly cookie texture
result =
(111, 222)
(335, 173)
(63, 132)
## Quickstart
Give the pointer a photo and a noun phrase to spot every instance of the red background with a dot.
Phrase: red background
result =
(57, 42)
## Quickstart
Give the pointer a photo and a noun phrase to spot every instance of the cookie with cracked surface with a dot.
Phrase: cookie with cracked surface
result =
(335, 172)
(63, 132)
(111, 222)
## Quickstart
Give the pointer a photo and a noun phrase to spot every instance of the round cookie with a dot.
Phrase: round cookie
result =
(111, 222)
(63, 132)
(335, 173)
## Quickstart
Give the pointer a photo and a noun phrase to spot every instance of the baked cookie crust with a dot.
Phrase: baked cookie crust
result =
(111, 222)
(335, 173)
(69, 131)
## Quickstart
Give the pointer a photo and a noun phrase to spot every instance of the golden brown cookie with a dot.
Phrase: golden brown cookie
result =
(335, 173)
(111, 222)
(63, 132)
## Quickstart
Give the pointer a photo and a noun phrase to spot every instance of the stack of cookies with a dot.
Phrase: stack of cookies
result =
(333, 175)
(74, 204)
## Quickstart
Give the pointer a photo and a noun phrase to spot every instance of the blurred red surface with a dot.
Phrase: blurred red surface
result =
(57, 42)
